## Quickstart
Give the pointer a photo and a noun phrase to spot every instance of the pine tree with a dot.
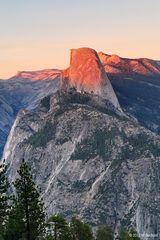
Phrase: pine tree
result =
(128, 235)
(80, 230)
(124, 234)
(133, 235)
(4, 205)
(59, 228)
(28, 206)
(15, 225)
(104, 233)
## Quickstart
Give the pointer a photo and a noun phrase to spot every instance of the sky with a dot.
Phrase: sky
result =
(38, 34)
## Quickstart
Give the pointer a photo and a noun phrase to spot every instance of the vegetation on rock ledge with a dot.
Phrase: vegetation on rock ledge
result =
(43, 136)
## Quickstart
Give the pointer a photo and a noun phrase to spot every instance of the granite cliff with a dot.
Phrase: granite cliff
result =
(136, 83)
(24, 90)
(89, 158)
(86, 73)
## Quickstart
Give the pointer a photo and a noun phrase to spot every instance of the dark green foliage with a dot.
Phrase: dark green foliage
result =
(104, 233)
(27, 219)
(80, 230)
(108, 109)
(142, 143)
(78, 186)
(46, 102)
(136, 147)
(86, 99)
(43, 136)
(128, 235)
(70, 101)
(133, 235)
(59, 228)
(76, 97)
(15, 224)
(61, 141)
(97, 144)
(101, 141)
(124, 234)
(4, 206)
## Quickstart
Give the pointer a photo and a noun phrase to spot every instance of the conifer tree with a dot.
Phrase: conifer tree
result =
(15, 225)
(28, 206)
(80, 230)
(4, 205)
(59, 228)
(104, 233)
(133, 235)
(128, 235)
(123, 234)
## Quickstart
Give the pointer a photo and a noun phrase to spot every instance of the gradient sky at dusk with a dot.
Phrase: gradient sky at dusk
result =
(38, 34)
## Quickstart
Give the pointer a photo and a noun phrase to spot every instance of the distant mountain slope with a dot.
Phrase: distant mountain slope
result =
(140, 96)
(114, 64)
(137, 85)
(47, 74)
(23, 91)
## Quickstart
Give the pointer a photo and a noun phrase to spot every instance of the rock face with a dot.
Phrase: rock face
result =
(89, 161)
(140, 97)
(88, 158)
(136, 83)
(41, 75)
(114, 64)
(132, 88)
(23, 91)
(86, 73)
(7, 117)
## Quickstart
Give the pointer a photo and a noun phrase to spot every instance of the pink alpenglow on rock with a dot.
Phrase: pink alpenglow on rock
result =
(41, 75)
(114, 65)
(86, 73)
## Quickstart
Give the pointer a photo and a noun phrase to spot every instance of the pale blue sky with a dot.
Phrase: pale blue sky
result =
(37, 34)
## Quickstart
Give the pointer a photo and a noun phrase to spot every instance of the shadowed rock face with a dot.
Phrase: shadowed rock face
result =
(86, 73)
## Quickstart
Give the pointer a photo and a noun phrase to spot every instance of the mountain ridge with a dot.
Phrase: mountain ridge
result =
(90, 159)
(114, 64)
(105, 59)
(46, 74)
(84, 156)
(129, 89)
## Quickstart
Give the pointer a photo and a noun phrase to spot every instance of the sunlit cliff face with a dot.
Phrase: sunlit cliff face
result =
(86, 71)
(113, 64)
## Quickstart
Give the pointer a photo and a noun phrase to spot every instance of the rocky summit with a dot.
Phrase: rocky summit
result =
(86, 73)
